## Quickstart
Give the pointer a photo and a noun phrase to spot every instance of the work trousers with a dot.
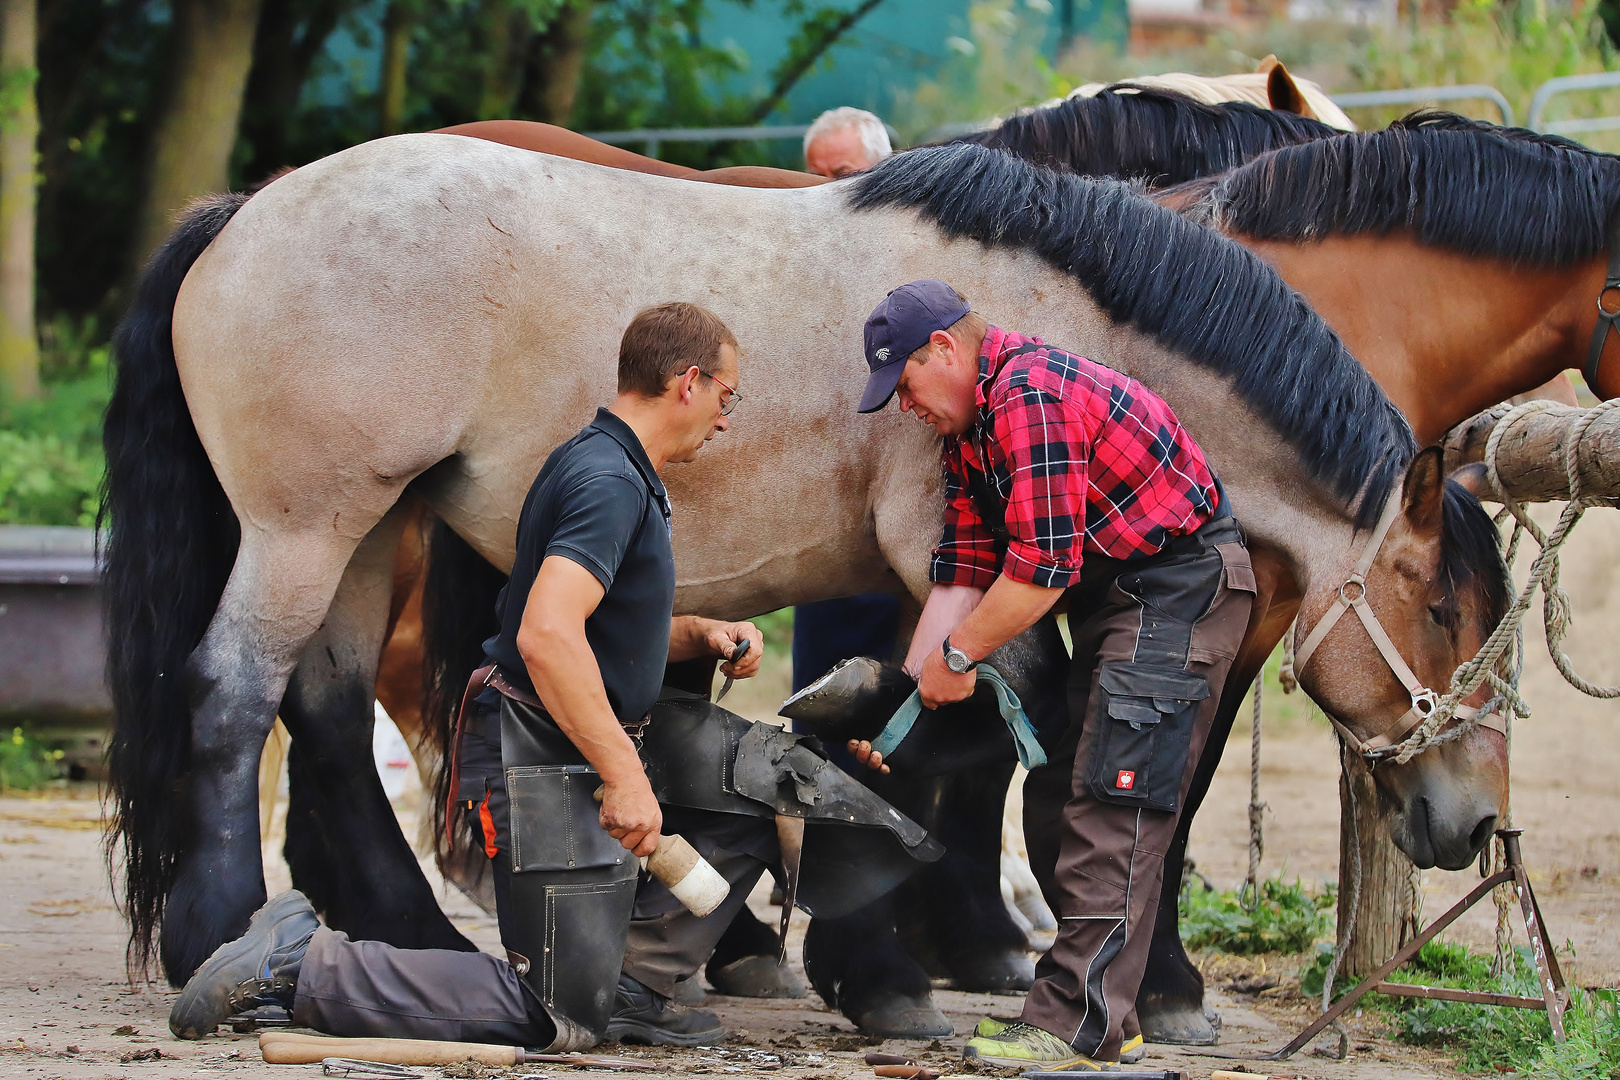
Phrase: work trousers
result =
(1153, 639)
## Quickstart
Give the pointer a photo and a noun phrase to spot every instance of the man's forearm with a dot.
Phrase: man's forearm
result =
(1008, 609)
(946, 608)
(569, 683)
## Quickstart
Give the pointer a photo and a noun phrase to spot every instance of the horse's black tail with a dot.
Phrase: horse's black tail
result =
(170, 541)
(458, 613)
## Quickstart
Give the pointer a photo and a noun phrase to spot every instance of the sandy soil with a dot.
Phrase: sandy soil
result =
(67, 1008)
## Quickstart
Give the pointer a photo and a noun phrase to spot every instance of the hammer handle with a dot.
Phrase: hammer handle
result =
(291, 1048)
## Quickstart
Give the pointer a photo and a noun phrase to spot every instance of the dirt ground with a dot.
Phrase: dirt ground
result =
(67, 1008)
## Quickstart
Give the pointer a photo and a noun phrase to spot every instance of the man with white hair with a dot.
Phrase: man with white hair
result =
(844, 141)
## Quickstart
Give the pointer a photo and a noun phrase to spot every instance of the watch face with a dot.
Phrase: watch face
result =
(956, 660)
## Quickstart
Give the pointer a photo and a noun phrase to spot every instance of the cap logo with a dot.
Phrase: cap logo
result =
(882, 354)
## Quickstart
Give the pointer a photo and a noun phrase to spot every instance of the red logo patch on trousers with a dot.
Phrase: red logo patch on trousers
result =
(1125, 780)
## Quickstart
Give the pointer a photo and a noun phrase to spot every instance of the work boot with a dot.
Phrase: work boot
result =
(642, 1015)
(257, 969)
(1131, 1053)
(1025, 1046)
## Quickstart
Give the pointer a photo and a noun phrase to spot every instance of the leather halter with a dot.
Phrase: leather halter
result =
(1353, 597)
(1606, 320)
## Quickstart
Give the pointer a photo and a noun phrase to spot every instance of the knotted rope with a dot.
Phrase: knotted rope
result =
(1484, 668)
(1249, 893)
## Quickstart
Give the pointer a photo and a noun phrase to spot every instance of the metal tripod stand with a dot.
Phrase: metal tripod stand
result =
(1554, 995)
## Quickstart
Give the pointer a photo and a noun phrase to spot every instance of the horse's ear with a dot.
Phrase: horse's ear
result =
(1473, 478)
(1283, 92)
(1423, 491)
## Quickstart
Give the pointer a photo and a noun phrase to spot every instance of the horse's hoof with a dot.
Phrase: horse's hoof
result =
(994, 971)
(756, 977)
(901, 1016)
(689, 992)
(855, 698)
(1186, 1025)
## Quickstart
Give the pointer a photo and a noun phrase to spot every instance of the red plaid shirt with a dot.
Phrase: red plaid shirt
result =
(1082, 459)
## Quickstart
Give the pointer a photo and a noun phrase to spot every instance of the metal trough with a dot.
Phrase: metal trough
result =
(52, 646)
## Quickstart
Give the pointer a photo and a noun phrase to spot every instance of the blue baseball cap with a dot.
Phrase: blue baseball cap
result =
(898, 327)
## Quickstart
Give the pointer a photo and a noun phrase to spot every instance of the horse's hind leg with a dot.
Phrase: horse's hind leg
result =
(344, 844)
(279, 590)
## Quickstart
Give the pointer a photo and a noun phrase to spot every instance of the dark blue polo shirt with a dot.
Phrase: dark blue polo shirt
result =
(597, 502)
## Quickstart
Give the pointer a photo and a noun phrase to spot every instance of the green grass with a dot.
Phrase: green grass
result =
(25, 765)
(1488, 1038)
(1288, 918)
(50, 448)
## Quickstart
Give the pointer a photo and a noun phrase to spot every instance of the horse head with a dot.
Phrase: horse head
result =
(1427, 592)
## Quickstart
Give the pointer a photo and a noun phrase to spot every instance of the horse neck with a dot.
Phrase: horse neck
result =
(1444, 334)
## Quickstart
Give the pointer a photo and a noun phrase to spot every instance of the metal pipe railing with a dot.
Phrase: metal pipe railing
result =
(1424, 95)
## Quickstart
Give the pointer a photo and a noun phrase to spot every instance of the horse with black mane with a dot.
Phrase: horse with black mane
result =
(431, 313)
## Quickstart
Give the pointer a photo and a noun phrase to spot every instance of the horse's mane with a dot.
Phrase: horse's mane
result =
(1193, 290)
(1155, 136)
(1472, 187)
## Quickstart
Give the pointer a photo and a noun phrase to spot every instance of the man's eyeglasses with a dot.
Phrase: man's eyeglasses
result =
(731, 401)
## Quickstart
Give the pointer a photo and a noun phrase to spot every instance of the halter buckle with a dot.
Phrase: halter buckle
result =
(1360, 583)
(1605, 312)
(1425, 701)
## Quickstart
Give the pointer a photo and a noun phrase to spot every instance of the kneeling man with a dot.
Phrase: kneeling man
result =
(1066, 478)
(586, 631)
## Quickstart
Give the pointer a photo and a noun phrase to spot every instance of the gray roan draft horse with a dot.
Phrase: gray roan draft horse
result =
(437, 313)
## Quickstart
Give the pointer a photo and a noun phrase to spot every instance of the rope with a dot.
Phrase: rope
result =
(1484, 668)
(1249, 894)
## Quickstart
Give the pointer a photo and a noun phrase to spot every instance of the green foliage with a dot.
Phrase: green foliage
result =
(50, 449)
(26, 765)
(1288, 918)
(998, 67)
(1514, 45)
(1494, 1039)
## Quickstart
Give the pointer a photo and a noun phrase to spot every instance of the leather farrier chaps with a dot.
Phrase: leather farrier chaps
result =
(573, 886)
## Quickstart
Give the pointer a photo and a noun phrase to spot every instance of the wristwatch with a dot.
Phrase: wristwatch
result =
(956, 659)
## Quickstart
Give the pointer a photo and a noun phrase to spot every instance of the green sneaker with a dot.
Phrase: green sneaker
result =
(1023, 1046)
(1130, 1054)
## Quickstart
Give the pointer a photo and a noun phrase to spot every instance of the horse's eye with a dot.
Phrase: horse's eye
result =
(1438, 612)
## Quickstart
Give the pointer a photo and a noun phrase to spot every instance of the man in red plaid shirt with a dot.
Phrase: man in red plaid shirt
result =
(1067, 479)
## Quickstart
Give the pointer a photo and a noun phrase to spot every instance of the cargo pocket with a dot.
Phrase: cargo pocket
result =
(556, 821)
(1145, 725)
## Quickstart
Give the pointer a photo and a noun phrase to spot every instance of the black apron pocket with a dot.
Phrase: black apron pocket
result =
(556, 821)
(1145, 725)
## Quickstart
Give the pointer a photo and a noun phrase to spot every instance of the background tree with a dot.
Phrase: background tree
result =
(196, 132)
(19, 138)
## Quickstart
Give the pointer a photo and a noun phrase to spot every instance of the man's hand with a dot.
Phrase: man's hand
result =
(692, 637)
(940, 685)
(631, 815)
(866, 755)
(723, 639)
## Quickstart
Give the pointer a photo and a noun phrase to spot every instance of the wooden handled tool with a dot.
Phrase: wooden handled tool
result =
(688, 875)
(291, 1048)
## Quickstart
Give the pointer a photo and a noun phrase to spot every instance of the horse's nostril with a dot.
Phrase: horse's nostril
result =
(1482, 833)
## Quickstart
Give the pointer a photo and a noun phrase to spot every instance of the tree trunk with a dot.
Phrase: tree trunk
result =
(556, 63)
(1530, 459)
(1388, 910)
(507, 30)
(192, 144)
(398, 24)
(19, 139)
(291, 34)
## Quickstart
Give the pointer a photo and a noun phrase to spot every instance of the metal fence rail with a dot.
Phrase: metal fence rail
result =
(1546, 91)
(1424, 95)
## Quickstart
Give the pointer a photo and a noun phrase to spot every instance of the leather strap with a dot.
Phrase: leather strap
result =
(1030, 753)
(475, 685)
(1353, 597)
(1606, 319)
(790, 839)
